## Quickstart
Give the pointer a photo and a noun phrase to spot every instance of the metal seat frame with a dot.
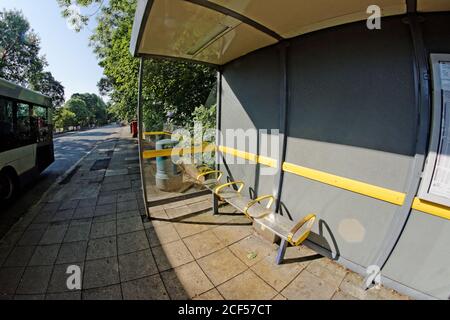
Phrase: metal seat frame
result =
(263, 216)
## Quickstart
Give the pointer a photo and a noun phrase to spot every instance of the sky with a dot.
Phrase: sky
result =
(70, 59)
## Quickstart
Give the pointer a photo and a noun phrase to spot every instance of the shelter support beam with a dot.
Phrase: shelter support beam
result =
(215, 200)
(140, 135)
(283, 123)
(228, 12)
(422, 110)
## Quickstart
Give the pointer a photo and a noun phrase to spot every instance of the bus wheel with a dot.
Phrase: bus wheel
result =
(8, 187)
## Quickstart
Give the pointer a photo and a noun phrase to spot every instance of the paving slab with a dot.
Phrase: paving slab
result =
(103, 229)
(230, 233)
(19, 256)
(246, 286)
(63, 296)
(4, 252)
(101, 273)
(29, 297)
(308, 287)
(78, 232)
(129, 225)
(54, 234)
(209, 295)
(277, 276)
(252, 249)
(328, 271)
(186, 228)
(9, 280)
(84, 212)
(203, 244)
(172, 255)
(149, 288)
(105, 209)
(221, 266)
(132, 242)
(127, 205)
(35, 280)
(113, 292)
(59, 277)
(44, 255)
(72, 252)
(137, 265)
(102, 248)
(186, 282)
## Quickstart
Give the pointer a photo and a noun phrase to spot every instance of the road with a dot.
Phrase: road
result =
(69, 148)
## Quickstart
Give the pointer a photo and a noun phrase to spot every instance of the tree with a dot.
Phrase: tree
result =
(64, 118)
(168, 86)
(88, 109)
(19, 53)
(80, 109)
(96, 107)
(20, 61)
(46, 84)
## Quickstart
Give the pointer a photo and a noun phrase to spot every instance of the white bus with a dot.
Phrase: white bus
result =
(26, 137)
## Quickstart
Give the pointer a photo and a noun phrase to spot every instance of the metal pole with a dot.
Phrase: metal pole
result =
(140, 134)
(284, 94)
(423, 111)
(215, 201)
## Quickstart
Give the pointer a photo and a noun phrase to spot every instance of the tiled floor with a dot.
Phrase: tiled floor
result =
(221, 257)
(97, 222)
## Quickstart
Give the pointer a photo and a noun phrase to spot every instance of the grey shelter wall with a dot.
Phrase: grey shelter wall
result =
(421, 259)
(250, 100)
(351, 113)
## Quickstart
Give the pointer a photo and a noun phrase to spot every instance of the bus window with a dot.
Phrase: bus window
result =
(24, 130)
(40, 117)
(6, 125)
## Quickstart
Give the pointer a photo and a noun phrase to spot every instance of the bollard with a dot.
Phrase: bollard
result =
(168, 175)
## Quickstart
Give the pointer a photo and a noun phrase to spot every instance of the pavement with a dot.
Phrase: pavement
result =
(95, 221)
(69, 149)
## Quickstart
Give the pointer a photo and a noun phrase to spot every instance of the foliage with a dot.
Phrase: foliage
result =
(169, 87)
(204, 123)
(64, 118)
(80, 109)
(46, 84)
(97, 108)
(20, 61)
(87, 109)
(206, 116)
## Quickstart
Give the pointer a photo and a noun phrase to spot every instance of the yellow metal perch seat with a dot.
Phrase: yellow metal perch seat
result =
(229, 192)
(290, 232)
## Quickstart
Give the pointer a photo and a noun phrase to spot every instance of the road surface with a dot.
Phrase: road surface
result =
(69, 148)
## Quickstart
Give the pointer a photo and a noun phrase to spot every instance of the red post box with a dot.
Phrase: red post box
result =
(134, 129)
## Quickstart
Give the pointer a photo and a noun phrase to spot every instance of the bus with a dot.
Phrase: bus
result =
(26, 138)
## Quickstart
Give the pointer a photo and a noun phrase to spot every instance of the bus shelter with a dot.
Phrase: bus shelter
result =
(348, 100)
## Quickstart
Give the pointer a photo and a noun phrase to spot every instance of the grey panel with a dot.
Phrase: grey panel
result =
(250, 100)
(251, 91)
(421, 259)
(349, 225)
(338, 98)
(352, 113)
